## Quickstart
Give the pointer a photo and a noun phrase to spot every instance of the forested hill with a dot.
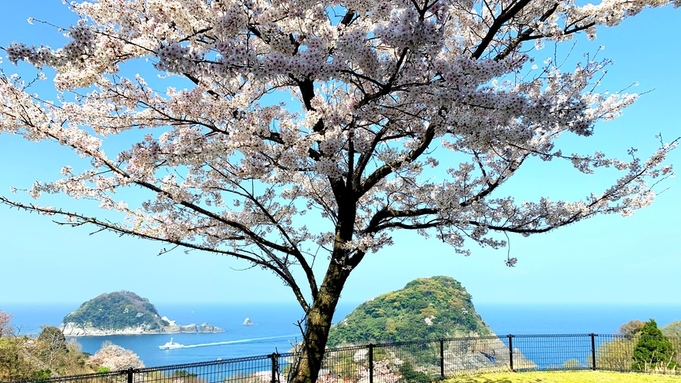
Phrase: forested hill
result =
(117, 311)
(123, 313)
(426, 308)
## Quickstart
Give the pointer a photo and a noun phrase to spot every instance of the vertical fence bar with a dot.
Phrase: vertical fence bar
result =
(275, 366)
(131, 371)
(442, 359)
(510, 351)
(371, 363)
(593, 351)
(219, 360)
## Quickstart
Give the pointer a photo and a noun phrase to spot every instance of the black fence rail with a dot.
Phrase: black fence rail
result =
(413, 362)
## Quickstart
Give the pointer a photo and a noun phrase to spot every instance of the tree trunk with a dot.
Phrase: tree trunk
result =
(320, 315)
(317, 326)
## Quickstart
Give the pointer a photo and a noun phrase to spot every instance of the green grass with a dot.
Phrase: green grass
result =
(565, 377)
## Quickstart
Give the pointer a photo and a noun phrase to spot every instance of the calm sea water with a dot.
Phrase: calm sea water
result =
(275, 326)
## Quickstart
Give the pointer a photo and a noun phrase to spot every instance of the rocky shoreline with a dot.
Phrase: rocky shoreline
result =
(74, 330)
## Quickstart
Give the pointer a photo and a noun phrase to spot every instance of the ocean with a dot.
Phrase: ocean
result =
(275, 328)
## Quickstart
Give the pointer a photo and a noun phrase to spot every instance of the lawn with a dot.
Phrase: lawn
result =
(566, 377)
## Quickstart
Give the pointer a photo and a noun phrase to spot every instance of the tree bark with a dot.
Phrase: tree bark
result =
(317, 325)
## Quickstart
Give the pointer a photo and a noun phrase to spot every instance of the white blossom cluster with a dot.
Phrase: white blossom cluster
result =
(115, 357)
(373, 115)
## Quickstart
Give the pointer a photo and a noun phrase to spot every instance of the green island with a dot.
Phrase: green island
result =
(426, 308)
(411, 328)
(117, 311)
(121, 313)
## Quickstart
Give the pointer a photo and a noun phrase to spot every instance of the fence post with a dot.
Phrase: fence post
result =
(219, 360)
(593, 351)
(275, 367)
(371, 363)
(442, 358)
(130, 371)
(510, 351)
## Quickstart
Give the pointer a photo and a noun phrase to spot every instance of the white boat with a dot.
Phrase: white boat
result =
(248, 322)
(170, 345)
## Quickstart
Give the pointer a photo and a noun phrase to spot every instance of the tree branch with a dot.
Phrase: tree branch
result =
(103, 225)
(387, 169)
(505, 16)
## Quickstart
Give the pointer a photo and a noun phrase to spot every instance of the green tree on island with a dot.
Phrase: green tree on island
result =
(653, 350)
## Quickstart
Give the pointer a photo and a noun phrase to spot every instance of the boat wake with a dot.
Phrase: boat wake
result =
(227, 342)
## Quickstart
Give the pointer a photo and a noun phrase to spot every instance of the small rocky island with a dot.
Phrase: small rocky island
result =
(124, 313)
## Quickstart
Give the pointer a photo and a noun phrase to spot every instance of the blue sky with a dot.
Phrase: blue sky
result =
(610, 259)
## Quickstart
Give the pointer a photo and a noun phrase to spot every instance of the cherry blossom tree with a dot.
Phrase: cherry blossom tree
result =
(5, 324)
(115, 358)
(294, 133)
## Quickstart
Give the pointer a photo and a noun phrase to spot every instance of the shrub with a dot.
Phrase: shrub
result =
(616, 355)
(409, 375)
(572, 364)
(632, 328)
(43, 375)
(653, 350)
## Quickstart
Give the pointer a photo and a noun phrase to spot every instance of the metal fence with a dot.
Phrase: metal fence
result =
(411, 362)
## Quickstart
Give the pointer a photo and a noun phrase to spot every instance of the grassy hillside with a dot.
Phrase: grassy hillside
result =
(50, 354)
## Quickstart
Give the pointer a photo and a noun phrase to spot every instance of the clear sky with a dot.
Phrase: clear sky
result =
(609, 259)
